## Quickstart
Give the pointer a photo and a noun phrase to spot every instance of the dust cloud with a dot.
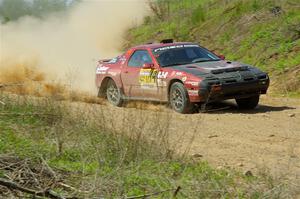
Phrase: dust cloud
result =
(65, 47)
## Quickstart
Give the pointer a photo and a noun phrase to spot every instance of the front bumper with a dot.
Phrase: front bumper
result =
(213, 91)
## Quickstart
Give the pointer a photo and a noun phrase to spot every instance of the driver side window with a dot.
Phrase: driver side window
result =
(139, 58)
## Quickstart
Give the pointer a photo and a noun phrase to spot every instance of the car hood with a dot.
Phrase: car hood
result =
(214, 67)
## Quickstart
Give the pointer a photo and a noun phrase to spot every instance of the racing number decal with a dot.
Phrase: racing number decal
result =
(148, 77)
(151, 77)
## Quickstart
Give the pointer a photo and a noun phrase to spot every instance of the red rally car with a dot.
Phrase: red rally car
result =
(184, 74)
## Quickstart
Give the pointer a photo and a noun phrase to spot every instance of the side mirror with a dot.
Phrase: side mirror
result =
(148, 65)
(222, 57)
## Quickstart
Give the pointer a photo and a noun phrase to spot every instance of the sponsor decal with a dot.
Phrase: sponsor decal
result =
(193, 92)
(184, 79)
(101, 69)
(193, 83)
(148, 77)
(151, 78)
(162, 75)
(191, 45)
(178, 73)
(174, 47)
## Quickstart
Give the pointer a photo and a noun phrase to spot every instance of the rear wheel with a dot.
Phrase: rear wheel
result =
(113, 93)
(248, 103)
(179, 99)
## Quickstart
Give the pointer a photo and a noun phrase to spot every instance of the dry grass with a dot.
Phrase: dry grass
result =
(88, 150)
(86, 140)
(289, 82)
(24, 78)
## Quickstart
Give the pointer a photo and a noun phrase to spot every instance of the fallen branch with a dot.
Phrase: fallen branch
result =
(66, 186)
(47, 193)
(155, 194)
(49, 169)
(2, 103)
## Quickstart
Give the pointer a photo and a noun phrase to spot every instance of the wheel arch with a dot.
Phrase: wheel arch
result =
(102, 88)
(171, 83)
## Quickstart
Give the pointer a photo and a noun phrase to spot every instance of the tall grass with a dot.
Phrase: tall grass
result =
(109, 152)
(84, 138)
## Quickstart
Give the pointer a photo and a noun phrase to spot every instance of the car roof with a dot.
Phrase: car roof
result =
(159, 45)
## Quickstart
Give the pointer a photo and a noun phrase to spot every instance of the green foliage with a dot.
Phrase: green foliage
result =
(256, 5)
(112, 163)
(198, 15)
(41, 8)
(11, 10)
(147, 20)
(248, 31)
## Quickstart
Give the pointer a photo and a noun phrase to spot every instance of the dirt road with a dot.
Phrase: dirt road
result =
(267, 138)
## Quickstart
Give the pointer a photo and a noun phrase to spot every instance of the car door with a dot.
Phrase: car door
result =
(139, 82)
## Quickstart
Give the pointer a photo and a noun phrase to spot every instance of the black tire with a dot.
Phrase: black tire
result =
(179, 99)
(248, 103)
(113, 94)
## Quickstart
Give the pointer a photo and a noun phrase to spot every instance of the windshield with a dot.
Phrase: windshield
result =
(183, 54)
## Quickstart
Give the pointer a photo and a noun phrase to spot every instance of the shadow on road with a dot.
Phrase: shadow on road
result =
(228, 106)
(231, 107)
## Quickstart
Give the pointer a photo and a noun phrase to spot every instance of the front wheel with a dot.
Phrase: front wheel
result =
(248, 103)
(179, 99)
(113, 93)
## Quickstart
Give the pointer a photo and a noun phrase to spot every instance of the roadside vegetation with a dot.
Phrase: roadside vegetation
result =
(11, 10)
(61, 149)
(73, 150)
(264, 33)
(25, 78)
